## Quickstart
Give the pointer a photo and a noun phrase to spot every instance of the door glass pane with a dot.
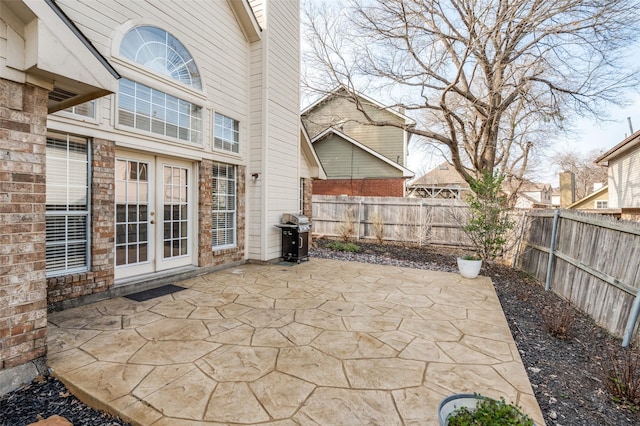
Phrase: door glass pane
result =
(132, 212)
(175, 211)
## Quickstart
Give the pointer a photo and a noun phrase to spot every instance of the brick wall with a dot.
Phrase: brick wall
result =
(100, 277)
(207, 256)
(23, 304)
(390, 187)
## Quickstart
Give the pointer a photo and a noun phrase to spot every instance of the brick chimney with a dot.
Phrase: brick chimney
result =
(567, 189)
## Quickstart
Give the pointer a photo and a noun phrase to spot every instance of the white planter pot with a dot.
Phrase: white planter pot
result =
(451, 403)
(469, 268)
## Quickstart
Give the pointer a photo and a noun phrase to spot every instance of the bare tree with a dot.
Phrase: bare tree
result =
(586, 172)
(486, 79)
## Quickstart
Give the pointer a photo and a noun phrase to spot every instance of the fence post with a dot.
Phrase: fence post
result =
(515, 257)
(552, 248)
(359, 217)
(631, 323)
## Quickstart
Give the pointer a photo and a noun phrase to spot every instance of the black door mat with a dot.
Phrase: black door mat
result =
(152, 293)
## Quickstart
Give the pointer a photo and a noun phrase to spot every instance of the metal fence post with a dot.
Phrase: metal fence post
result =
(631, 323)
(552, 248)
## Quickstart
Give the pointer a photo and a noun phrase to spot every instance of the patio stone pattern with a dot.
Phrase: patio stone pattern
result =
(322, 342)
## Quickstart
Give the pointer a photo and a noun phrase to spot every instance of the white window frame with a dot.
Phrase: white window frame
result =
(226, 133)
(602, 204)
(224, 205)
(57, 210)
(149, 109)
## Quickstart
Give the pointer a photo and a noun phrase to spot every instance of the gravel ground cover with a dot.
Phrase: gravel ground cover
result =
(565, 374)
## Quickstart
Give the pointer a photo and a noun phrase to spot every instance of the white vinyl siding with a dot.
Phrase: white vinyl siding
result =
(223, 227)
(624, 181)
(67, 204)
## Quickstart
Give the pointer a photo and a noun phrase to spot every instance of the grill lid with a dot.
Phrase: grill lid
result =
(296, 219)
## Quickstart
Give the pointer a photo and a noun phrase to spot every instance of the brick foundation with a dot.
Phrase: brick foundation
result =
(23, 305)
(390, 187)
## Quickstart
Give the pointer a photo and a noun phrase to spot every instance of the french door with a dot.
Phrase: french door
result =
(154, 218)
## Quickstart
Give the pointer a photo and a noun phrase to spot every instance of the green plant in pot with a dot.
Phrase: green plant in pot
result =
(475, 409)
(488, 223)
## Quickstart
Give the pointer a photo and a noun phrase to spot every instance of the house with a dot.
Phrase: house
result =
(359, 159)
(623, 176)
(526, 194)
(140, 144)
(596, 202)
(445, 182)
(441, 182)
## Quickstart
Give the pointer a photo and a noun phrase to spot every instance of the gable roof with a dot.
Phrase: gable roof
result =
(593, 195)
(247, 19)
(310, 153)
(336, 92)
(442, 175)
(626, 145)
(56, 54)
(332, 131)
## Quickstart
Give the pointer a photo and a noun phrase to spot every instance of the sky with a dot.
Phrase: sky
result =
(586, 136)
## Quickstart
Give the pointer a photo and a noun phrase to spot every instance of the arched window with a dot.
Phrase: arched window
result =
(159, 51)
(148, 108)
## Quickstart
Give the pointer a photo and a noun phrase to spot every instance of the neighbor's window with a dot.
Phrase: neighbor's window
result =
(223, 227)
(151, 110)
(67, 214)
(87, 109)
(602, 204)
(227, 134)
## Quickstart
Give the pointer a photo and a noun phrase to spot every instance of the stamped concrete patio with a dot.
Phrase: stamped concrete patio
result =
(324, 342)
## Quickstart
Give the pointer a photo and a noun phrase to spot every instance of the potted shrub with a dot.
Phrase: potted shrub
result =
(487, 223)
(475, 409)
(469, 265)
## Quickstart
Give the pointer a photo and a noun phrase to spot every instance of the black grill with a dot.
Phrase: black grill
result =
(295, 237)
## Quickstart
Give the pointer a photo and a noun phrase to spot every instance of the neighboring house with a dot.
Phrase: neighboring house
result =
(596, 202)
(623, 173)
(445, 182)
(138, 143)
(528, 194)
(359, 159)
(441, 182)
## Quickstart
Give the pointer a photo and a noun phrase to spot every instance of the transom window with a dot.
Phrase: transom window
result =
(223, 227)
(161, 52)
(67, 214)
(151, 110)
(227, 134)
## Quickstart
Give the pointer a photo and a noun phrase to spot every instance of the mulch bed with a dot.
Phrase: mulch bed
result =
(566, 374)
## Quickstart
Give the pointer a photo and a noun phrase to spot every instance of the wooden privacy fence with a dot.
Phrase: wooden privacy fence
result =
(417, 220)
(591, 260)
